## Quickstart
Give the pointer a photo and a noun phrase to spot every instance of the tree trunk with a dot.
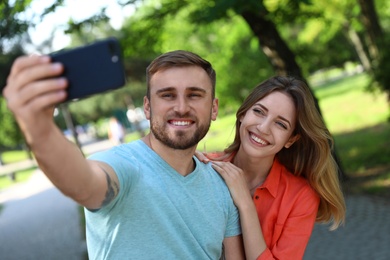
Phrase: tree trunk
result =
(358, 45)
(373, 29)
(280, 56)
(274, 47)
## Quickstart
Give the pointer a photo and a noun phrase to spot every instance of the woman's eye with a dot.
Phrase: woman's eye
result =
(282, 125)
(258, 111)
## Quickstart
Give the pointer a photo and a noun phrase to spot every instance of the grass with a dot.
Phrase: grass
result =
(357, 120)
(355, 117)
(22, 176)
(14, 156)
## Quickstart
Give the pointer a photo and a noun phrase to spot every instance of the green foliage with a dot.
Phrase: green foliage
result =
(6, 61)
(12, 30)
(140, 36)
(10, 134)
(318, 36)
(11, 25)
(228, 44)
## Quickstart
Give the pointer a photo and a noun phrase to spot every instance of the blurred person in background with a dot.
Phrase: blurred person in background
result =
(116, 132)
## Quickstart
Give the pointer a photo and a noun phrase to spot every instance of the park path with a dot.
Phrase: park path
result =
(366, 234)
(39, 222)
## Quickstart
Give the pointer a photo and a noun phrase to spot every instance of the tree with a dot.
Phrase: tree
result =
(12, 37)
(378, 43)
(373, 29)
(11, 30)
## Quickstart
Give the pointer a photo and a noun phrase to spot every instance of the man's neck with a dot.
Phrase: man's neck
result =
(180, 160)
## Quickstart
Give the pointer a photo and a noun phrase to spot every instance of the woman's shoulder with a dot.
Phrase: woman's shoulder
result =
(297, 183)
(220, 156)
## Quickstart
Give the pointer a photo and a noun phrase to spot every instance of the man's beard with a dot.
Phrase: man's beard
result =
(180, 141)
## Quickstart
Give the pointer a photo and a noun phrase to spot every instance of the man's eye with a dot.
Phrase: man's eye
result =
(167, 95)
(195, 95)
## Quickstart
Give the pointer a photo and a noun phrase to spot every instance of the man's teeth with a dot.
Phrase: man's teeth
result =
(181, 123)
(258, 140)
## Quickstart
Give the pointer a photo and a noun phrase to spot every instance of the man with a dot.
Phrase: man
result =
(150, 198)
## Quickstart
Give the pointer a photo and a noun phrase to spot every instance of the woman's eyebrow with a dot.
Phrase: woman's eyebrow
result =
(285, 120)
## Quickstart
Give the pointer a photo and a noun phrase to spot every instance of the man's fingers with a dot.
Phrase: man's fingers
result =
(55, 88)
(24, 62)
(32, 77)
(36, 73)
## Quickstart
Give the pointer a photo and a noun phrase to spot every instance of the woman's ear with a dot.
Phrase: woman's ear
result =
(291, 141)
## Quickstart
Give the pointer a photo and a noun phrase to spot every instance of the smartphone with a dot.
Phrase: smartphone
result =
(92, 69)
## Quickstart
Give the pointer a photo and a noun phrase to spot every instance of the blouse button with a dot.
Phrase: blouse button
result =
(257, 197)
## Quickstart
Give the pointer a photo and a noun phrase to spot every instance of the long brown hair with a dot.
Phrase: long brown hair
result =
(311, 155)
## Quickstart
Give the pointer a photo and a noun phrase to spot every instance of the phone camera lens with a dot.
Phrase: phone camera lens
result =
(114, 58)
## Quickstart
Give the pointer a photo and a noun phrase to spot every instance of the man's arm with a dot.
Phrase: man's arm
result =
(32, 91)
(233, 248)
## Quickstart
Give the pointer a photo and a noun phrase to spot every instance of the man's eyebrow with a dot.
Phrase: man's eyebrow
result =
(197, 89)
(165, 90)
(174, 89)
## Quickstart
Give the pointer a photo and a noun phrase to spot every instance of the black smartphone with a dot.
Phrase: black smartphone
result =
(92, 69)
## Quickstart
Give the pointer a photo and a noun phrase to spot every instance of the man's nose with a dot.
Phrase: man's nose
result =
(182, 106)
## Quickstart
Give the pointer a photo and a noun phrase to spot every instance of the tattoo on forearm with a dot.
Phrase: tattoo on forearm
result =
(112, 189)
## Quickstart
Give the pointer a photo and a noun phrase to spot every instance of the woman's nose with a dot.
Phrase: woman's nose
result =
(264, 126)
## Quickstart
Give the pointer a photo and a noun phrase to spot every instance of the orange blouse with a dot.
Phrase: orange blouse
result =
(287, 208)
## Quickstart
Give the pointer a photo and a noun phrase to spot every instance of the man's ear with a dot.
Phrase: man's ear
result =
(292, 140)
(214, 109)
(147, 107)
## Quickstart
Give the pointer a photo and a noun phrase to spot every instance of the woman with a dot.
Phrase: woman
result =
(280, 170)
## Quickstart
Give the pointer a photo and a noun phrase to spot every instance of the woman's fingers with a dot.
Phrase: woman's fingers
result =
(235, 180)
(201, 157)
(227, 167)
